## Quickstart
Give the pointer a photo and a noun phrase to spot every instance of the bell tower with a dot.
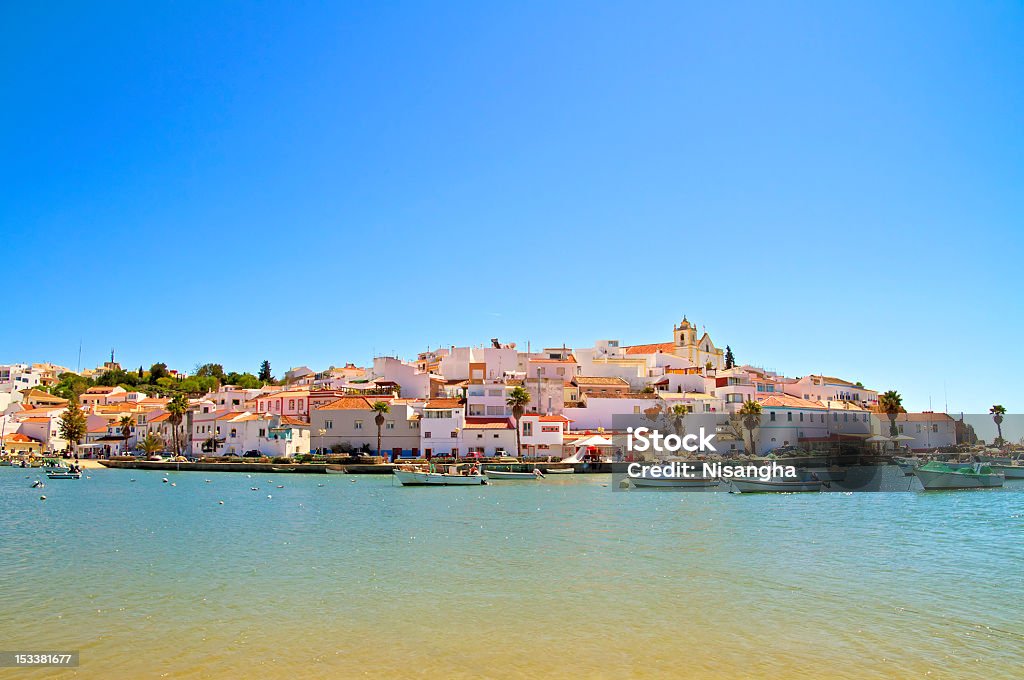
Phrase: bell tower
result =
(684, 335)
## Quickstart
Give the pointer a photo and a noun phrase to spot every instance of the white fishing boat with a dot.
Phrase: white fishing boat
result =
(775, 486)
(560, 471)
(332, 471)
(498, 475)
(675, 482)
(452, 477)
(935, 475)
(65, 475)
(1010, 471)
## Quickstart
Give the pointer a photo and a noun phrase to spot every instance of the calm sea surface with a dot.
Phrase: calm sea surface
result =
(344, 576)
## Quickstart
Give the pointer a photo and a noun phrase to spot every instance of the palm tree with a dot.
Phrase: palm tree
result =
(151, 443)
(750, 412)
(998, 411)
(517, 400)
(177, 408)
(678, 414)
(126, 423)
(891, 404)
(380, 408)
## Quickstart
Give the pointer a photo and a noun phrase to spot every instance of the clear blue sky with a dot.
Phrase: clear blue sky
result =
(828, 189)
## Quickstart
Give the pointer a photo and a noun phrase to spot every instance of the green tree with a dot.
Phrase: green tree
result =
(998, 411)
(730, 360)
(176, 409)
(126, 423)
(264, 374)
(380, 408)
(678, 413)
(70, 386)
(158, 371)
(750, 413)
(73, 425)
(891, 404)
(210, 371)
(518, 399)
(151, 443)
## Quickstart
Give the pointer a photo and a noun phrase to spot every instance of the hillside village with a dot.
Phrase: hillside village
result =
(447, 402)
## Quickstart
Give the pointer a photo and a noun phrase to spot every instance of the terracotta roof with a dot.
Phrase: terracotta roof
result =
(17, 437)
(554, 419)
(788, 401)
(626, 395)
(288, 420)
(347, 404)
(598, 380)
(444, 403)
(99, 390)
(489, 424)
(924, 416)
(159, 419)
(667, 347)
(35, 419)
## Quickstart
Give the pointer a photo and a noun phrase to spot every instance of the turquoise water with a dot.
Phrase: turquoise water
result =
(344, 576)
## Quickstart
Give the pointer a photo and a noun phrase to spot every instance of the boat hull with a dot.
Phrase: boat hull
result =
(498, 475)
(674, 483)
(65, 475)
(773, 486)
(334, 472)
(935, 479)
(411, 478)
(560, 471)
(1010, 471)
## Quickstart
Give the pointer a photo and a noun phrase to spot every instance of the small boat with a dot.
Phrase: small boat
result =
(675, 482)
(450, 478)
(283, 469)
(55, 469)
(332, 471)
(1009, 471)
(936, 475)
(65, 475)
(906, 464)
(775, 485)
(560, 471)
(498, 475)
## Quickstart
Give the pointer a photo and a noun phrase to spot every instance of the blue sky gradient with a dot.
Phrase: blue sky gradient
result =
(830, 189)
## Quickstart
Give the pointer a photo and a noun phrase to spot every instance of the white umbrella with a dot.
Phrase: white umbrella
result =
(877, 439)
(902, 438)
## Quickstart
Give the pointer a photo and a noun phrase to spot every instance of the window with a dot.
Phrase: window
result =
(789, 416)
(801, 417)
(359, 425)
(771, 416)
(528, 428)
(390, 425)
(479, 436)
(495, 436)
(263, 432)
(636, 409)
(328, 424)
(455, 434)
(291, 404)
(413, 424)
(540, 371)
(427, 435)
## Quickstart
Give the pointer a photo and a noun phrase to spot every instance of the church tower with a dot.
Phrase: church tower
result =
(684, 335)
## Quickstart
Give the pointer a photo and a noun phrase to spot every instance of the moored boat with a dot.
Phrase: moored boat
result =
(675, 482)
(65, 475)
(1010, 471)
(412, 477)
(498, 475)
(560, 471)
(332, 471)
(775, 485)
(935, 475)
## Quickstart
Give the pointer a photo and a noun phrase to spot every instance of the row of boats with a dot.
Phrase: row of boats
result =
(466, 474)
(933, 475)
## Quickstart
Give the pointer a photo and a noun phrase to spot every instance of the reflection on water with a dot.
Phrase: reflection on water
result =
(334, 577)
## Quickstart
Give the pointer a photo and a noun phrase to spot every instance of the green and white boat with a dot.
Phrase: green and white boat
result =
(936, 475)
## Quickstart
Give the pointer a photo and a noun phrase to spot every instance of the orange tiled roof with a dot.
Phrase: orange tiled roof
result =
(789, 401)
(488, 424)
(599, 380)
(667, 347)
(347, 404)
(444, 403)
